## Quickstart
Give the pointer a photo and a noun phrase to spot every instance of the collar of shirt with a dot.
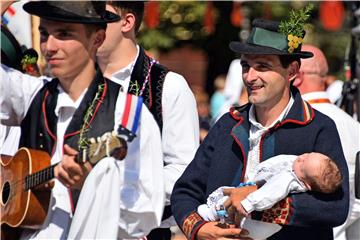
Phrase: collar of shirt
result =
(64, 101)
(256, 131)
(301, 183)
(314, 95)
(122, 76)
(259, 126)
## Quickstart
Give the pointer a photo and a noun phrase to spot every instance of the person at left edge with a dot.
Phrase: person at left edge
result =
(13, 55)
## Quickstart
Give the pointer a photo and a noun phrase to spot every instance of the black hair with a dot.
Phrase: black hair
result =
(134, 7)
(286, 60)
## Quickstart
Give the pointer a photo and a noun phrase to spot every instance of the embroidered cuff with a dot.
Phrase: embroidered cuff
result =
(280, 213)
(192, 224)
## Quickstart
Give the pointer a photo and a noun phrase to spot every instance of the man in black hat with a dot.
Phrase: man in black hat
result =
(53, 114)
(275, 121)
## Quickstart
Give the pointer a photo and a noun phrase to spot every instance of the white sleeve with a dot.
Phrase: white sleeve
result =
(17, 91)
(233, 83)
(207, 213)
(274, 190)
(180, 133)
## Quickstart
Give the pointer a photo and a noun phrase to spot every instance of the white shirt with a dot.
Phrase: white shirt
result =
(334, 90)
(180, 133)
(256, 131)
(9, 139)
(9, 136)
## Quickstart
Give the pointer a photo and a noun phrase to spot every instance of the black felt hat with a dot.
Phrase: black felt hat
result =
(85, 12)
(265, 39)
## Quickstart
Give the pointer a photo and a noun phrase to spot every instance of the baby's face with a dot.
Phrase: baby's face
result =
(308, 165)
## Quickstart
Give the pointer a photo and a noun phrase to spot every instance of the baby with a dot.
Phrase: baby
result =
(275, 178)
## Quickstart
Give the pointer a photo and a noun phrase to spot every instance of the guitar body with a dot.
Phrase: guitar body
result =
(20, 207)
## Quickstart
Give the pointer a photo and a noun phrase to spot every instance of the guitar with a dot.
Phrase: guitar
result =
(24, 199)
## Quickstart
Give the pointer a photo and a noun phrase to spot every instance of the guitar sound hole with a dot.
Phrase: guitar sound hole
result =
(5, 193)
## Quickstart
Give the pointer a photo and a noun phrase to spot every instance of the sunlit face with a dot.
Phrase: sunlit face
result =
(265, 79)
(66, 46)
(308, 166)
(114, 35)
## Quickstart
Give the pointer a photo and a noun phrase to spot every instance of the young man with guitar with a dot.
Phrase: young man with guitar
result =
(58, 116)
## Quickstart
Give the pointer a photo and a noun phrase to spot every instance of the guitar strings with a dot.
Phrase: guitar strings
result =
(31, 180)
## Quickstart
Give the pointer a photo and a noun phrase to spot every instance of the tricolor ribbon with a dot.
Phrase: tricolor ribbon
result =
(10, 12)
(131, 116)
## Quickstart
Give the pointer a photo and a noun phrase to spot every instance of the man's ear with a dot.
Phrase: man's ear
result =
(99, 38)
(298, 80)
(293, 70)
(128, 22)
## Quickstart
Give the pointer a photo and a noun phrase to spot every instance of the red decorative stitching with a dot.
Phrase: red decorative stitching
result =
(241, 120)
(190, 222)
(235, 113)
(280, 213)
(52, 135)
(101, 100)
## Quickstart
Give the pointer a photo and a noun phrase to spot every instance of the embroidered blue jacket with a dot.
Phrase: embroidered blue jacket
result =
(221, 161)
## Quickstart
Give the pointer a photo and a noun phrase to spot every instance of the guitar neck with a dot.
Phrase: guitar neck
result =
(94, 153)
(38, 178)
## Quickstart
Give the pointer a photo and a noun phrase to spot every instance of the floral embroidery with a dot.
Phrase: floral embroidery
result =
(280, 213)
(190, 223)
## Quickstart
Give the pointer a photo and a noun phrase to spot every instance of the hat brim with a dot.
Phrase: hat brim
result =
(246, 48)
(48, 12)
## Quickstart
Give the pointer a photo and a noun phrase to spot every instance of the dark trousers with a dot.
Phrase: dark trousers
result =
(159, 234)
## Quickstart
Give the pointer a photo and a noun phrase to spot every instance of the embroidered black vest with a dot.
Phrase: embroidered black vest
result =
(153, 90)
(152, 94)
(38, 129)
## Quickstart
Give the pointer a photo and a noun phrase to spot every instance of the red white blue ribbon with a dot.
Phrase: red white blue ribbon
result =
(131, 115)
(132, 112)
(10, 12)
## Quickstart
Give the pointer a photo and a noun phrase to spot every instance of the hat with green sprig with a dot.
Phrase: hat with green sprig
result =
(277, 38)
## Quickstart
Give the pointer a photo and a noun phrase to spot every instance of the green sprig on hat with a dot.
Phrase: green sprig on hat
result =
(294, 27)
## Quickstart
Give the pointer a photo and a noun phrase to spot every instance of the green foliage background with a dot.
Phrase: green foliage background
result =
(182, 22)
